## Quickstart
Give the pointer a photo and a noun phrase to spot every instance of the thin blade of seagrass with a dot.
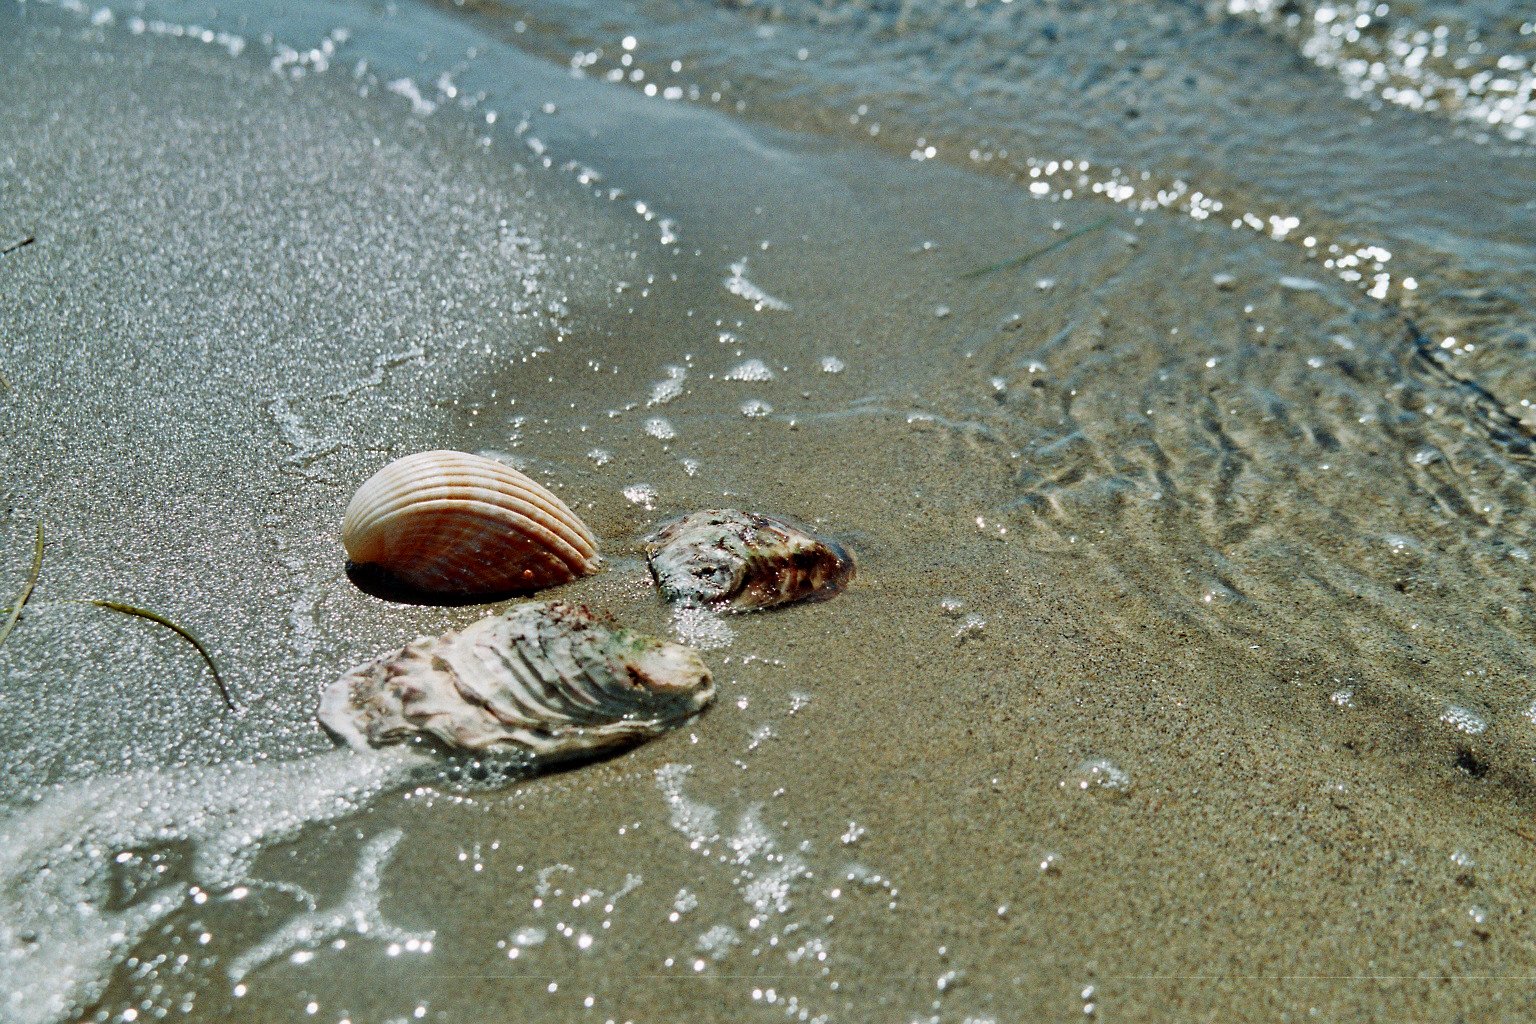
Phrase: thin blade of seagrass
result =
(1015, 262)
(185, 634)
(26, 591)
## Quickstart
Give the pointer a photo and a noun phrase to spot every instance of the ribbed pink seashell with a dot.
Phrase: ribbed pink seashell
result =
(452, 523)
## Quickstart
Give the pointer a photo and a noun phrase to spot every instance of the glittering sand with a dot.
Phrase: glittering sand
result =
(1186, 673)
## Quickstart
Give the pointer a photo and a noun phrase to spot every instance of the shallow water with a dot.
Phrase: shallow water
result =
(1189, 660)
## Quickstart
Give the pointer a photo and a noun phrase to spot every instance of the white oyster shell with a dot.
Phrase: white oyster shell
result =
(549, 680)
(451, 523)
(744, 560)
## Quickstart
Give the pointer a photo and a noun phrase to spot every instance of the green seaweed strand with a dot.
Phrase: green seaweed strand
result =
(185, 634)
(26, 591)
(1029, 257)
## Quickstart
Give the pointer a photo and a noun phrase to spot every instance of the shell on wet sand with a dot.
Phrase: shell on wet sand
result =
(454, 524)
(547, 680)
(744, 560)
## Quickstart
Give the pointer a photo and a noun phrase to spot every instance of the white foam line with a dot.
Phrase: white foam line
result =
(60, 938)
(737, 284)
(358, 912)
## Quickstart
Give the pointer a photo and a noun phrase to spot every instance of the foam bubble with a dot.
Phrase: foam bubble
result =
(751, 370)
(737, 284)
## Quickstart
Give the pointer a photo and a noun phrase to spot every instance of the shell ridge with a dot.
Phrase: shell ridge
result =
(531, 684)
(505, 694)
(512, 682)
(454, 523)
(449, 495)
(575, 658)
(483, 513)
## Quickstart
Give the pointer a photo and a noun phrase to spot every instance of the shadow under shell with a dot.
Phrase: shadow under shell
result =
(385, 585)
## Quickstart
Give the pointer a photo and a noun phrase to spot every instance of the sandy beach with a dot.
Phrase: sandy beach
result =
(1187, 674)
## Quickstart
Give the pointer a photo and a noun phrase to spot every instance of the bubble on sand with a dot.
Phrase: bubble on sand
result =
(664, 391)
(408, 89)
(973, 625)
(832, 364)
(755, 408)
(660, 429)
(751, 370)
(1099, 776)
(701, 627)
(737, 284)
(684, 903)
(600, 456)
(529, 936)
(717, 942)
(643, 495)
(506, 458)
(1464, 719)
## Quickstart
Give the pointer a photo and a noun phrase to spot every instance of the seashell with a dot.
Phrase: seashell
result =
(548, 680)
(451, 523)
(745, 560)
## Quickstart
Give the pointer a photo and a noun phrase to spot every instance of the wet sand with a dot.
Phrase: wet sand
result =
(1224, 716)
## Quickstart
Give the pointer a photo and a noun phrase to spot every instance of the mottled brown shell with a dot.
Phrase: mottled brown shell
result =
(546, 681)
(456, 524)
(744, 560)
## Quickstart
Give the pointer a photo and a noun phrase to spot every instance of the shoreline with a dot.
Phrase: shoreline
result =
(1142, 576)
